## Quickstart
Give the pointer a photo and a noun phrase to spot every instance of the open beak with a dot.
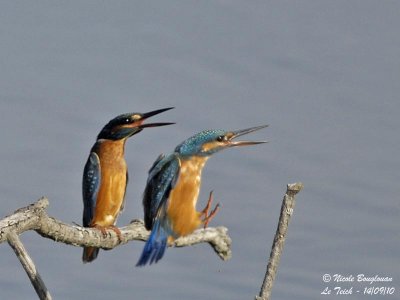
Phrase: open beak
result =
(153, 113)
(241, 132)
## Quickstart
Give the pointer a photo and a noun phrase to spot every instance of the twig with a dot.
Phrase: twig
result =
(34, 217)
(28, 265)
(279, 240)
(217, 237)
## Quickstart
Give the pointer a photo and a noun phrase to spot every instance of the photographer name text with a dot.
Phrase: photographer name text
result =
(366, 284)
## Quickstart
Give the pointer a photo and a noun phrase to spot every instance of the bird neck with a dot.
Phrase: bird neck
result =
(110, 148)
(193, 164)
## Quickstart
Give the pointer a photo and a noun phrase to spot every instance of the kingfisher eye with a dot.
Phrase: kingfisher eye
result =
(127, 120)
(221, 138)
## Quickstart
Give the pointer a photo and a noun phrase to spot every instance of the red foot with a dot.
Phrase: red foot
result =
(111, 227)
(208, 216)
(117, 232)
(102, 229)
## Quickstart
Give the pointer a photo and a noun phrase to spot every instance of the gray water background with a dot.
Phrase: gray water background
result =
(324, 75)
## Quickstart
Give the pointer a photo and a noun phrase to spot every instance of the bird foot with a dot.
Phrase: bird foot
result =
(117, 232)
(209, 216)
(111, 227)
(102, 229)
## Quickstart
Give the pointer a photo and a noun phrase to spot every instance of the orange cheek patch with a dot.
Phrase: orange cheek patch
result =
(209, 146)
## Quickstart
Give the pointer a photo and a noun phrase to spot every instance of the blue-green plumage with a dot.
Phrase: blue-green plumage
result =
(192, 146)
(162, 179)
(90, 187)
(173, 185)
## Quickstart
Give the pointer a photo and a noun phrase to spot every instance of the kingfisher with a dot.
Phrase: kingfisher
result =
(105, 175)
(173, 186)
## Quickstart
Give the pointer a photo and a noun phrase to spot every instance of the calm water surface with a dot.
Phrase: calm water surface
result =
(324, 75)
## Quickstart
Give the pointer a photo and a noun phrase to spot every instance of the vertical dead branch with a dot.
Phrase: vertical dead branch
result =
(279, 240)
(28, 265)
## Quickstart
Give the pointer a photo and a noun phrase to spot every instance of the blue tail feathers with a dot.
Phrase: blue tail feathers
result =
(155, 246)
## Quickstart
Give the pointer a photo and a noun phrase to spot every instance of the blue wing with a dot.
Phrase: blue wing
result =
(163, 176)
(90, 187)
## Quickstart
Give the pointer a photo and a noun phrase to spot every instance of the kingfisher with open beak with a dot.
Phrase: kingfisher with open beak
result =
(105, 176)
(173, 187)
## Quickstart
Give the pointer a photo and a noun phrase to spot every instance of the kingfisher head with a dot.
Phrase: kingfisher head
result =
(126, 125)
(208, 142)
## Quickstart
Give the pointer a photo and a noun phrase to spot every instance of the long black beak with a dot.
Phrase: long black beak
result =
(153, 113)
(241, 132)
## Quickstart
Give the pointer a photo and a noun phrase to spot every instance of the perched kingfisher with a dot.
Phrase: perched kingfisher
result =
(105, 176)
(173, 186)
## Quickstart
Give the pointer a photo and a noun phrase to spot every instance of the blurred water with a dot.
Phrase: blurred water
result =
(324, 75)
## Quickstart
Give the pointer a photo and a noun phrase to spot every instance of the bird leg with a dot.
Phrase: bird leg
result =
(208, 216)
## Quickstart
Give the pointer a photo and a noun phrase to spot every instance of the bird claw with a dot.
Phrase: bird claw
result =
(117, 232)
(111, 227)
(209, 216)
(102, 229)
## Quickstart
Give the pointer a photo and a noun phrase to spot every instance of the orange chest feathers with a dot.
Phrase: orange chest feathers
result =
(183, 198)
(111, 194)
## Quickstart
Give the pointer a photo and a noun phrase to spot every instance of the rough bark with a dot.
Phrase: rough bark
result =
(279, 240)
(29, 266)
(34, 217)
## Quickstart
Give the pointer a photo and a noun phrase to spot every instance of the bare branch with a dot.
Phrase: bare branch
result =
(217, 237)
(23, 219)
(279, 240)
(29, 266)
(34, 217)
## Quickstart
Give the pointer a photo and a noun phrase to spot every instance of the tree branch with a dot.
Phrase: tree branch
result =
(279, 240)
(34, 217)
(29, 266)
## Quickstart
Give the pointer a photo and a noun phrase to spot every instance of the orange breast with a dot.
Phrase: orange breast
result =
(113, 183)
(183, 198)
